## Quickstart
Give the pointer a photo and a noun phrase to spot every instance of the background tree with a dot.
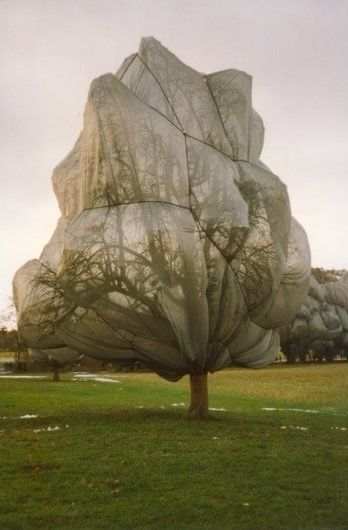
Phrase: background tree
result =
(10, 340)
(320, 328)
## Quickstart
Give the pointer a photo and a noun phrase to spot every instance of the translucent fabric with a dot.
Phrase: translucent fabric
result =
(176, 245)
(55, 356)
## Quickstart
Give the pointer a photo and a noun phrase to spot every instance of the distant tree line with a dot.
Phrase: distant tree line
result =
(10, 341)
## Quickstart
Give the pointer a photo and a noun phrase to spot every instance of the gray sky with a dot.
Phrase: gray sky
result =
(296, 51)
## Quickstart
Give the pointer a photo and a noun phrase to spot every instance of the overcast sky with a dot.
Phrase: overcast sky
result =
(296, 51)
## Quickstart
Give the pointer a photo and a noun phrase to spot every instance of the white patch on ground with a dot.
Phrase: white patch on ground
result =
(139, 406)
(50, 429)
(47, 429)
(210, 408)
(106, 380)
(246, 504)
(215, 438)
(339, 428)
(24, 417)
(308, 411)
(85, 375)
(292, 427)
(94, 377)
(22, 376)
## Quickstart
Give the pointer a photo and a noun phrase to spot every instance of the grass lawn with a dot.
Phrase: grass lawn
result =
(125, 457)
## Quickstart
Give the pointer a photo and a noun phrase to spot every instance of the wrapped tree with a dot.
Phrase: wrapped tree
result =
(56, 358)
(176, 244)
(321, 324)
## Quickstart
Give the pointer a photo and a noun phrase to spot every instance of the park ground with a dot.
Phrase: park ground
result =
(95, 454)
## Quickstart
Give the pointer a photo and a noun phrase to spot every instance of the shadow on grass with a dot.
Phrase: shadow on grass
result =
(133, 415)
(148, 419)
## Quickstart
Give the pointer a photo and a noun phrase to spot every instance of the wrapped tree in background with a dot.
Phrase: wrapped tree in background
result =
(176, 245)
(321, 325)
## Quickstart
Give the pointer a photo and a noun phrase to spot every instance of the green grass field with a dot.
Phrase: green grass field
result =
(124, 457)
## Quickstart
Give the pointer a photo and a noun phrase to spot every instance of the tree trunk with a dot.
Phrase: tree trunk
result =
(199, 397)
(56, 376)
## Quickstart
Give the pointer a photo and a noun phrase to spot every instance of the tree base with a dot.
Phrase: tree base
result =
(56, 376)
(199, 408)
